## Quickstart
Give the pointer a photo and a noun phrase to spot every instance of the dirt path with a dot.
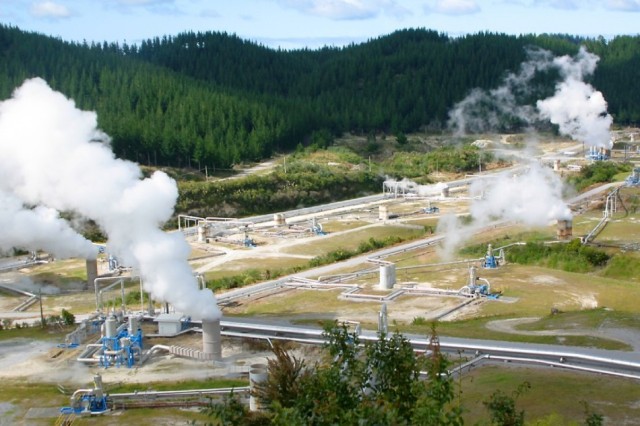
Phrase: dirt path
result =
(510, 326)
(265, 166)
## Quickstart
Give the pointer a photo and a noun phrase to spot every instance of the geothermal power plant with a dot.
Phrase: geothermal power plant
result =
(177, 318)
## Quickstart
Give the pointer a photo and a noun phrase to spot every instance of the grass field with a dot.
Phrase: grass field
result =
(20, 396)
(351, 240)
(555, 395)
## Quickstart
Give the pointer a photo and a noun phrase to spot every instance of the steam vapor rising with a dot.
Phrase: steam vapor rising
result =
(579, 110)
(533, 197)
(53, 159)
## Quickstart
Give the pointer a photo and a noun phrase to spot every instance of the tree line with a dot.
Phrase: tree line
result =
(214, 99)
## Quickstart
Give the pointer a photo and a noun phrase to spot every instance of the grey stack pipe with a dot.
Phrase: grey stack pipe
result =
(257, 374)
(211, 339)
(92, 271)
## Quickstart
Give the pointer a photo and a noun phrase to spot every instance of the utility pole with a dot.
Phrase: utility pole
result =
(42, 324)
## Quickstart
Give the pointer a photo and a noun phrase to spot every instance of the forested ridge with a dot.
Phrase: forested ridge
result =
(213, 99)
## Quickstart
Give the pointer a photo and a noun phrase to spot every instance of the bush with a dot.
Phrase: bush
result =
(598, 172)
(68, 317)
(419, 321)
(304, 184)
(571, 257)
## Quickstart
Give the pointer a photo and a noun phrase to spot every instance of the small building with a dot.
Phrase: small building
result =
(171, 324)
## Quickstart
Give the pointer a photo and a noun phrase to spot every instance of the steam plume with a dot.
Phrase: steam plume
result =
(39, 228)
(53, 157)
(533, 198)
(579, 110)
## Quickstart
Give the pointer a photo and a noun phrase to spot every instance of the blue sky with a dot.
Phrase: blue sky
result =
(313, 23)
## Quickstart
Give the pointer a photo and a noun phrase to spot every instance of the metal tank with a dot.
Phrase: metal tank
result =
(387, 276)
(211, 339)
(110, 327)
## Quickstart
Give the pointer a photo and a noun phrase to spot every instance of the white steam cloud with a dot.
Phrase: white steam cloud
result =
(533, 198)
(54, 159)
(38, 228)
(579, 110)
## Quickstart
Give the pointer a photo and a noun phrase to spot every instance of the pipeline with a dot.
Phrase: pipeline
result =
(152, 350)
(32, 298)
(176, 393)
(561, 364)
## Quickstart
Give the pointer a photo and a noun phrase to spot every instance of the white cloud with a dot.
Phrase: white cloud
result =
(624, 5)
(49, 9)
(156, 6)
(561, 4)
(210, 13)
(453, 7)
(141, 2)
(347, 9)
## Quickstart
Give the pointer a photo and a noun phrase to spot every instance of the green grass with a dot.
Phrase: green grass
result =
(476, 329)
(313, 304)
(181, 385)
(146, 416)
(342, 225)
(25, 395)
(553, 391)
(351, 240)
(264, 263)
(60, 270)
(35, 333)
(624, 266)
(591, 318)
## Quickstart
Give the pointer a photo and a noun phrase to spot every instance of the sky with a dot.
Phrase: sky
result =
(292, 24)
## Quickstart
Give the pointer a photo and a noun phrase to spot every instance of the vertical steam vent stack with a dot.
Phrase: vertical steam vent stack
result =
(383, 320)
(211, 340)
(473, 276)
(257, 374)
(383, 213)
(92, 272)
(202, 232)
(565, 229)
(279, 219)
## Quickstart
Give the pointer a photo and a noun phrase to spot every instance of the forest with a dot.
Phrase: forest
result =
(213, 99)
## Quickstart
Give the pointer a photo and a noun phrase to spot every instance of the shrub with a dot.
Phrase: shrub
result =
(68, 317)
